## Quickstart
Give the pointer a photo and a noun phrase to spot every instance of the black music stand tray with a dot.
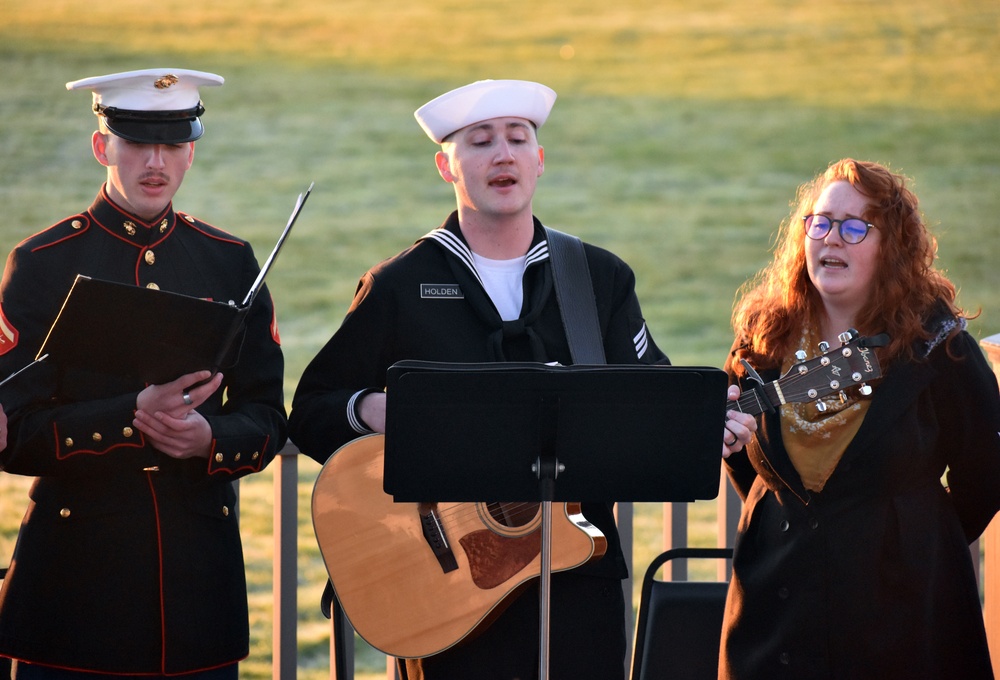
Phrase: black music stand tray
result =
(538, 433)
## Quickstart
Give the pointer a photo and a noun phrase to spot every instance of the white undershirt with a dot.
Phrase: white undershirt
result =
(502, 280)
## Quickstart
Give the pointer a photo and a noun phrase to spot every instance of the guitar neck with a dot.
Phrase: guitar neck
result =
(852, 364)
(752, 401)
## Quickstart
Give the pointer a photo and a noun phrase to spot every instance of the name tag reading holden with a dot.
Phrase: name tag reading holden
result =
(443, 291)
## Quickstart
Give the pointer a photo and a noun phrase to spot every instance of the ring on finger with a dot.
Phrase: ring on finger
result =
(187, 398)
(735, 438)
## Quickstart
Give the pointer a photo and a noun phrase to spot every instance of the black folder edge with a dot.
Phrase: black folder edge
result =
(423, 458)
(62, 345)
(259, 281)
(12, 388)
(16, 374)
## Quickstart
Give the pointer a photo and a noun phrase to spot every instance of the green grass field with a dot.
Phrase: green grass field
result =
(681, 132)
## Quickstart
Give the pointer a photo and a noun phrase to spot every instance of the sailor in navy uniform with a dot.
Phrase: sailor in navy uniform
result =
(129, 560)
(479, 288)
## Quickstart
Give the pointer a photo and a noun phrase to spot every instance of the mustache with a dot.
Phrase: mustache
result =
(155, 176)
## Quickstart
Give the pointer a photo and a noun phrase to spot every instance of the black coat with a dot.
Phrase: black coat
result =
(872, 577)
(428, 303)
(393, 317)
(129, 561)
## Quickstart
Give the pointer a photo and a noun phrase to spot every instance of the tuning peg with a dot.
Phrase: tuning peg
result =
(843, 397)
(847, 336)
(800, 355)
(865, 389)
(820, 406)
(824, 346)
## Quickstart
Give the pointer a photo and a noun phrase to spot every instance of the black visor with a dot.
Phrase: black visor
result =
(154, 127)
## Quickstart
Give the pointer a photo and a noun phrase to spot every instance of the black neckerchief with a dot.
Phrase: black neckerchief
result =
(537, 287)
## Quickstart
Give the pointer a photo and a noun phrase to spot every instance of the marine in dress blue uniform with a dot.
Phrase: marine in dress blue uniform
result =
(129, 559)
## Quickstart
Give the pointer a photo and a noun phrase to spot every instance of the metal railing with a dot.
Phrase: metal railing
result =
(675, 534)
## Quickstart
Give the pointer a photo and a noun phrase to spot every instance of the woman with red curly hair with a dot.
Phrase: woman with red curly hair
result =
(852, 554)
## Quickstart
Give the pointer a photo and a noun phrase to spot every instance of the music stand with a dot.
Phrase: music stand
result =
(538, 433)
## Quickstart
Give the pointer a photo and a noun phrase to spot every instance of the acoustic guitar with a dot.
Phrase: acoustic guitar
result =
(417, 578)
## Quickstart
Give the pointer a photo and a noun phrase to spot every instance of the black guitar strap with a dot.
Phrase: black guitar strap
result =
(575, 295)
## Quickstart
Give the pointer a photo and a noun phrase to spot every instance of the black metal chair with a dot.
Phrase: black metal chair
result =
(679, 623)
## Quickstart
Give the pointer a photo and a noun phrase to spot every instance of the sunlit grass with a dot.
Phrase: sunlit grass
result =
(922, 54)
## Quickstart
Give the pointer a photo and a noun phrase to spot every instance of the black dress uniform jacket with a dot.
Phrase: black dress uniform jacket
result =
(872, 577)
(128, 560)
(427, 303)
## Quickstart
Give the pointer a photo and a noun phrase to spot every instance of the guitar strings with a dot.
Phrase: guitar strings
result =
(793, 390)
(513, 514)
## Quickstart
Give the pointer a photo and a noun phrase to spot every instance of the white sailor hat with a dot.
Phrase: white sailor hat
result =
(482, 100)
(152, 106)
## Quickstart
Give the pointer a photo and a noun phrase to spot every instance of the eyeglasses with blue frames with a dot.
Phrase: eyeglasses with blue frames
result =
(851, 230)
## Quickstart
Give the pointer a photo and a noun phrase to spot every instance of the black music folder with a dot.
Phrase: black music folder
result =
(156, 335)
(471, 432)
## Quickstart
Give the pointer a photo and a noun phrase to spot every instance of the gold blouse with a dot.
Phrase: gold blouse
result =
(816, 440)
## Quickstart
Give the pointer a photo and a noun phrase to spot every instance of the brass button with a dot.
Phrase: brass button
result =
(96, 436)
(127, 431)
(76, 224)
(189, 219)
(129, 228)
(149, 257)
(218, 458)
(152, 468)
(68, 441)
(163, 226)
(236, 458)
(225, 510)
(65, 512)
(152, 286)
(256, 455)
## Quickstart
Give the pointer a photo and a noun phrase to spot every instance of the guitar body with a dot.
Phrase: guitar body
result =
(403, 598)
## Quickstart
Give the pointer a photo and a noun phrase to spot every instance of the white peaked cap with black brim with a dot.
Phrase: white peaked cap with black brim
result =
(151, 106)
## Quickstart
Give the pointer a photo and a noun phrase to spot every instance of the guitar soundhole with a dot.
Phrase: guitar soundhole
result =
(513, 515)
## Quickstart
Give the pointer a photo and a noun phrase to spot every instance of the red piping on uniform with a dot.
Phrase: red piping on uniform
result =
(159, 549)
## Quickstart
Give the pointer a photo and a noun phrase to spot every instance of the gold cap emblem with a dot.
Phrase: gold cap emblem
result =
(165, 82)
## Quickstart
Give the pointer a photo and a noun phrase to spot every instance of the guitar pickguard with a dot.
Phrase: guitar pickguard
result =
(494, 559)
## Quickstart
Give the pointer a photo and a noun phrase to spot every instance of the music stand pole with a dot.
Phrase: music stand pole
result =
(547, 470)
